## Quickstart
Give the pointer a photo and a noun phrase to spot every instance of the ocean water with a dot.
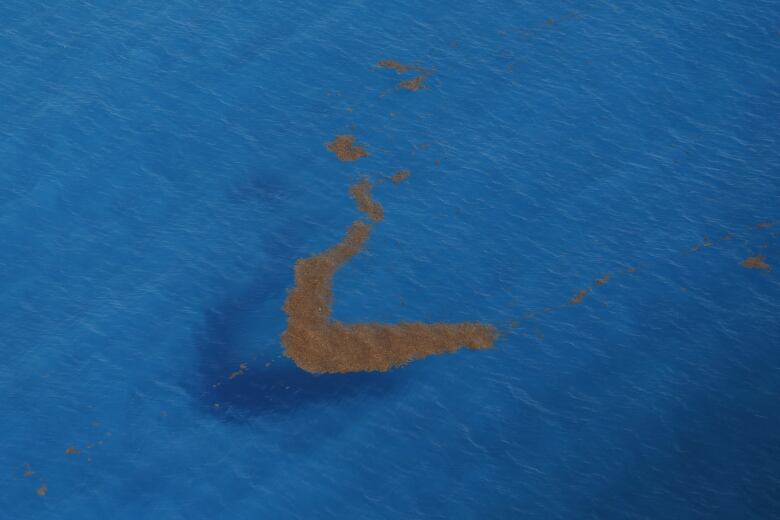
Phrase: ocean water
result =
(163, 165)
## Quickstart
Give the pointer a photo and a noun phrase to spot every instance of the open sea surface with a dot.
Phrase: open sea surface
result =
(163, 165)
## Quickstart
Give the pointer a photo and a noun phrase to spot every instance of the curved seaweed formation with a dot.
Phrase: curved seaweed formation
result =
(321, 345)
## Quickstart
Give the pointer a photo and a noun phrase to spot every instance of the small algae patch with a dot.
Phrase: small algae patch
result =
(399, 67)
(361, 192)
(413, 84)
(400, 176)
(756, 262)
(345, 148)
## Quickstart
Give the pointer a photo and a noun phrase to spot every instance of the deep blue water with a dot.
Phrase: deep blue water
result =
(162, 166)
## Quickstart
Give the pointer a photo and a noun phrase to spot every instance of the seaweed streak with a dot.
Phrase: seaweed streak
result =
(318, 344)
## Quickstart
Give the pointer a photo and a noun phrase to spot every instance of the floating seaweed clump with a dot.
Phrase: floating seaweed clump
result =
(399, 67)
(400, 176)
(345, 148)
(413, 84)
(318, 344)
(756, 262)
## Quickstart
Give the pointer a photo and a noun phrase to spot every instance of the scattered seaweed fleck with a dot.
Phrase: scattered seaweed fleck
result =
(240, 372)
(577, 298)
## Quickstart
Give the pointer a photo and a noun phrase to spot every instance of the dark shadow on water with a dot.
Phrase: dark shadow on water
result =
(284, 388)
(246, 328)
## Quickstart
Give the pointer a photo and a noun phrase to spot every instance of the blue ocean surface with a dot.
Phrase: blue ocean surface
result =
(163, 165)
